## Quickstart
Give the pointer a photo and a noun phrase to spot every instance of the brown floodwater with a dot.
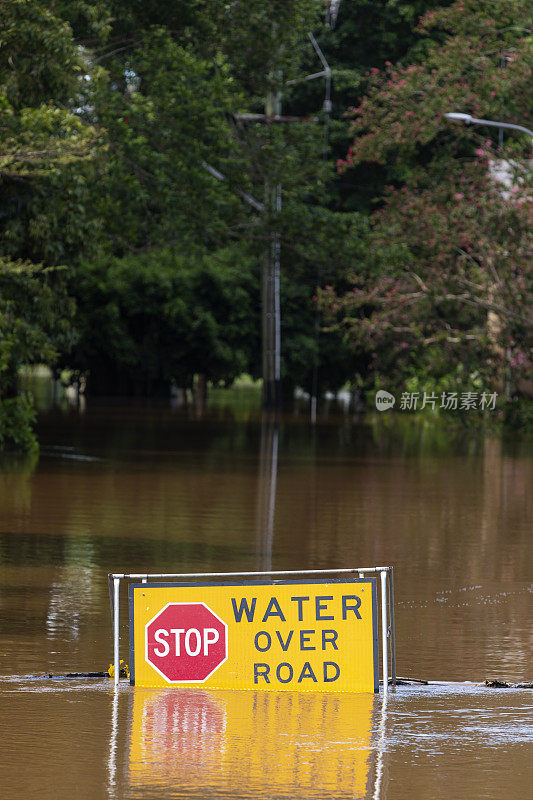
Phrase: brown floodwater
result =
(127, 488)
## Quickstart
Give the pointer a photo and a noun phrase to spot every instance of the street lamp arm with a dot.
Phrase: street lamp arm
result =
(468, 119)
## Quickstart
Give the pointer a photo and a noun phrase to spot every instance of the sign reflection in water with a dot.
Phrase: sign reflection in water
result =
(267, 744)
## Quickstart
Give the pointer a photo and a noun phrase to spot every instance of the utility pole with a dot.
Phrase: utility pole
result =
(271, 208)
(270, 284)
(271, 314)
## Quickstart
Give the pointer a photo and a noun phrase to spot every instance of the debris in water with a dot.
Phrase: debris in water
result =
(73, 675)
(491, 683)
(495, 684)
(124, 670)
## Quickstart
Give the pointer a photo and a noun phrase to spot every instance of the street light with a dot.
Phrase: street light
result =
(468, 119)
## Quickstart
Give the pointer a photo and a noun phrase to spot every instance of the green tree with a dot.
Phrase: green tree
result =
(35, 314)
(149, 321)
(447, 285)
(44, 147)
(364, 36)
(169, 99)
(162, 107)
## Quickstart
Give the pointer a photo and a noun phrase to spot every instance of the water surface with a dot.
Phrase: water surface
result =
(126, 488)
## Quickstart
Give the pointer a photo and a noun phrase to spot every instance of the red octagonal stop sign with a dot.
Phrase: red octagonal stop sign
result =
(186, 642)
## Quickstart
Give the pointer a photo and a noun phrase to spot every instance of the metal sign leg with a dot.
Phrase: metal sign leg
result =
(116, 585)
(384, 631)
(392, 627)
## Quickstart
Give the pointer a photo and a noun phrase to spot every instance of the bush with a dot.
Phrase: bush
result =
(518, 414)
(17, 416)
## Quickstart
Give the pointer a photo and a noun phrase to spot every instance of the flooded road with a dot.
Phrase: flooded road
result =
(136, 489)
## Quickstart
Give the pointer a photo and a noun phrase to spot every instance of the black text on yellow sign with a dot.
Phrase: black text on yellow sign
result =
(303, 636)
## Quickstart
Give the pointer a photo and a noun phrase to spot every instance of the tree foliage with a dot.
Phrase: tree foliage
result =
(168, 94)
(448, 282)
(162, 108)
(35, 328)
(34, 311)
(481, 66)
(110, 111)
(42, 140)
(149, 321)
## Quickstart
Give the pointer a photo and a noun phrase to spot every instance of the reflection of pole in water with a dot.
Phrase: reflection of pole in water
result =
(379, 786)
(112, 763)
(266, 494)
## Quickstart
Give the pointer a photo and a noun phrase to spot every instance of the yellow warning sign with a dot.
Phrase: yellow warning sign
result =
(297, 636)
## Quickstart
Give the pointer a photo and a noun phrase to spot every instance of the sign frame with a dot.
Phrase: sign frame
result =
(386, 574)
(269, 583)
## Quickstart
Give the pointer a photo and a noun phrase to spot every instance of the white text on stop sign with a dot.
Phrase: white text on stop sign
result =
(201, 640)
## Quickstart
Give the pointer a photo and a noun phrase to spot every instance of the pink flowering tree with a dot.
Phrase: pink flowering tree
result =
(446, 286)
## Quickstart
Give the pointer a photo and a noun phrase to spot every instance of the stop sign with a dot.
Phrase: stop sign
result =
(186, 642)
